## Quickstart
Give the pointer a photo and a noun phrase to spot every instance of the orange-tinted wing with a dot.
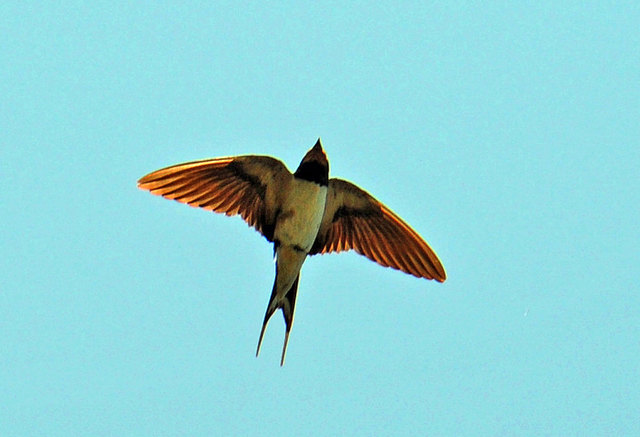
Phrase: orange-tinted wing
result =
(246, 185)
(354, 219)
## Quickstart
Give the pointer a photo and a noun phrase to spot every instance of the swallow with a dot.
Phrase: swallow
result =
(302, 213)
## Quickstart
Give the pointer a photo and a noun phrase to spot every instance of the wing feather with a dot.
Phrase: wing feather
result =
(250, 186)
(354, 219)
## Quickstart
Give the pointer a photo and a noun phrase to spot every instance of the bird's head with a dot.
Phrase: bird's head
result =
(314, 166)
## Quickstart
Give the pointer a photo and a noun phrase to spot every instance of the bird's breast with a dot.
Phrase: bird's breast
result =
(301, 214)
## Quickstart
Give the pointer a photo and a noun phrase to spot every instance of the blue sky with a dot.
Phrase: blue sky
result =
(506, 134)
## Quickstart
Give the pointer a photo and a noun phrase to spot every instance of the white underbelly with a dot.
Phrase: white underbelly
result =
(302, 212)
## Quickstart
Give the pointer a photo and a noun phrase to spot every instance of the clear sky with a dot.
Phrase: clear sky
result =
(506, 133)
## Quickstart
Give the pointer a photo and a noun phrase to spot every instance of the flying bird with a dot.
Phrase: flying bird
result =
(302, 213)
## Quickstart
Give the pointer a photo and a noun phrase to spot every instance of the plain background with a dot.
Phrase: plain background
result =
(505, 133)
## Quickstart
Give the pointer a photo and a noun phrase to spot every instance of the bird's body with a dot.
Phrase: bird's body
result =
(295, 232)
(303, 213)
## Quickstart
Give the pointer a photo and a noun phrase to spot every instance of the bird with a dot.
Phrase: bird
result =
(304, 213)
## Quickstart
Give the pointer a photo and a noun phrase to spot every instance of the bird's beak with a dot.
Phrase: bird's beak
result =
(316, 153)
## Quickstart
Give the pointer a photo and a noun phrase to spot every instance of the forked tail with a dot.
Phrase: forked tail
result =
(287, 305)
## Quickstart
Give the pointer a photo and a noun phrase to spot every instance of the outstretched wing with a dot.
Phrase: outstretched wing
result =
(246, 185)
(353, 219)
